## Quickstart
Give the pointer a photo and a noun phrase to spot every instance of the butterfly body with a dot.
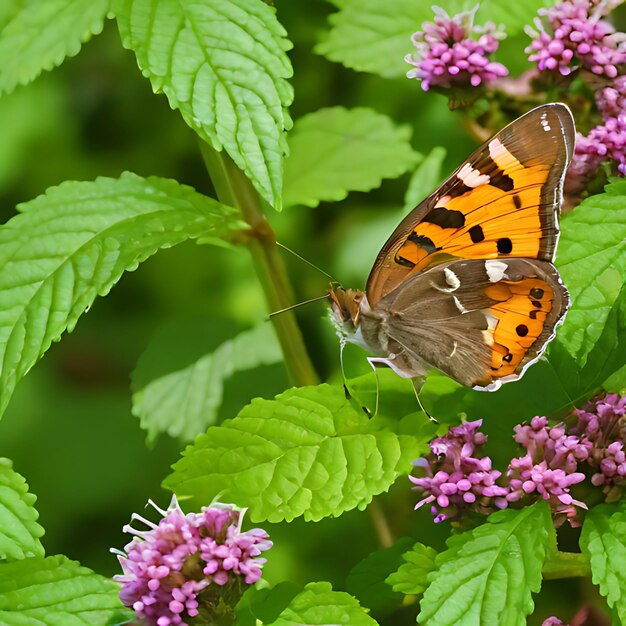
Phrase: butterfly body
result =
(465, 284)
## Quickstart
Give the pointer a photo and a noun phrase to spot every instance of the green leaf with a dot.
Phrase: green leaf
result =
(336, 150)
(592, 261)
(19, 530)
(55, 591)
(265, 605)
(371, 36)
(366, 580)
(37, 36)
(412, 576)
(425, 178)
(223, 64)
(307, 452)
(185, 402)
(486, 575)
(603, 541)
(319, 605)
(74, 243)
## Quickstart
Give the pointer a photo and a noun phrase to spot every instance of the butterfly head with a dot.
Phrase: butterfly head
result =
(345, 305)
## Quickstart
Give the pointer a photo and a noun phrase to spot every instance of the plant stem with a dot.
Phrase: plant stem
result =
(233, 188)
(565, 565)
(380, 523)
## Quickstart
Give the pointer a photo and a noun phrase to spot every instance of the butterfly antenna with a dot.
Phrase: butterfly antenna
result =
(307, 262)
(295, 306)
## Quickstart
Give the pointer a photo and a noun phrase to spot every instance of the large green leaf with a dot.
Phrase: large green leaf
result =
(411, 577)
(54, 591)
(37, 36)
(603, 541)
(308, 452)
(73, 243)
(223, 64)
(319, 605)
(374, 36)
(185, 402)
(336, 150)
(19, 530)
(487, 575)
(592, 261)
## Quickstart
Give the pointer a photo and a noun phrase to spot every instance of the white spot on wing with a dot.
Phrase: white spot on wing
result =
(471, 177)
(458, 304)
(495, 270)
(496, 149)
(451, 278)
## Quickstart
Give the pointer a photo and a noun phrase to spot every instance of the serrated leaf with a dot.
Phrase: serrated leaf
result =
(412, 576)
(366, 580)
(55, 591)
(223, 64)
(425, 178)
(487, 575)
(336, 150)
(592, 261)
(308, 452)
(319, 605)
(371, 36)
(74, 242)
(603, 541)
(185, 402)
(37, 36)
(19, 530)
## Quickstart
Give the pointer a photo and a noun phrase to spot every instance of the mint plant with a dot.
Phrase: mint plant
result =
(375, 516)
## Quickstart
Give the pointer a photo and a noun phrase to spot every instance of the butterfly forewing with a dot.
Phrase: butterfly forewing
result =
(503, 202)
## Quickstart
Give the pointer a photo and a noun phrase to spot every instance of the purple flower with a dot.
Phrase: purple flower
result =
(572, 34)
(611, 100)
(167, 566)
(447, 56)
(552, 621)
(457, 480)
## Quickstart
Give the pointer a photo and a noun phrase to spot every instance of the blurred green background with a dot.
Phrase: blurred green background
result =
(69, 427)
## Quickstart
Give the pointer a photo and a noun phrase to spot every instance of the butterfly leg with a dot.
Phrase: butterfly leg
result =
(418, 384)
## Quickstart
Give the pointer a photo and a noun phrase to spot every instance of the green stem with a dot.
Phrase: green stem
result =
(380, 523)
(565, 565)
(233, 188)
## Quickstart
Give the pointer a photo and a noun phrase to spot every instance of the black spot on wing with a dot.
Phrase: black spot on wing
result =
(497, 178)
(504, 245)
(521, 330)
(533, 314)
(517, 201)
(446, 218)
(476, 233)
(536, 293)
(458, 189)
(423, 242)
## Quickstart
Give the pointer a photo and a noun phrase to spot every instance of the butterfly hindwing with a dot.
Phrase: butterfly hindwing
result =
(482, 322)
(503, 202)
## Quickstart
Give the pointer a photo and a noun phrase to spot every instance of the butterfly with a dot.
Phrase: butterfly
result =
(466, 284)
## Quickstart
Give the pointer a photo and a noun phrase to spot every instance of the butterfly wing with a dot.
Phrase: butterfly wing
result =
(480, 322)
(502, 202)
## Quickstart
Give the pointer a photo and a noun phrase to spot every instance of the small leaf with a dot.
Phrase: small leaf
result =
(366, 580)
(336, 150)
(371, 36)
(426, 178)
(55, 591)
(486, 575)
(319, 605)
(603, 541)
(37, 36)
(265, 605)
(19, 530)
(223, 64)
(412, 576)
(184, 403)
(592, 261)
(307, 452)
(74, 243)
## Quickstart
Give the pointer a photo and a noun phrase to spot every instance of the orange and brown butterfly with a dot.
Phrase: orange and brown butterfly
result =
(465, 283)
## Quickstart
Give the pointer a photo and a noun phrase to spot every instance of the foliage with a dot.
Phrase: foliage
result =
(327, 441)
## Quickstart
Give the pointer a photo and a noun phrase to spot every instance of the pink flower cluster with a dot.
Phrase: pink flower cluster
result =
(458, 478)
(167, 566)
(572, 34)
(448, 56)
